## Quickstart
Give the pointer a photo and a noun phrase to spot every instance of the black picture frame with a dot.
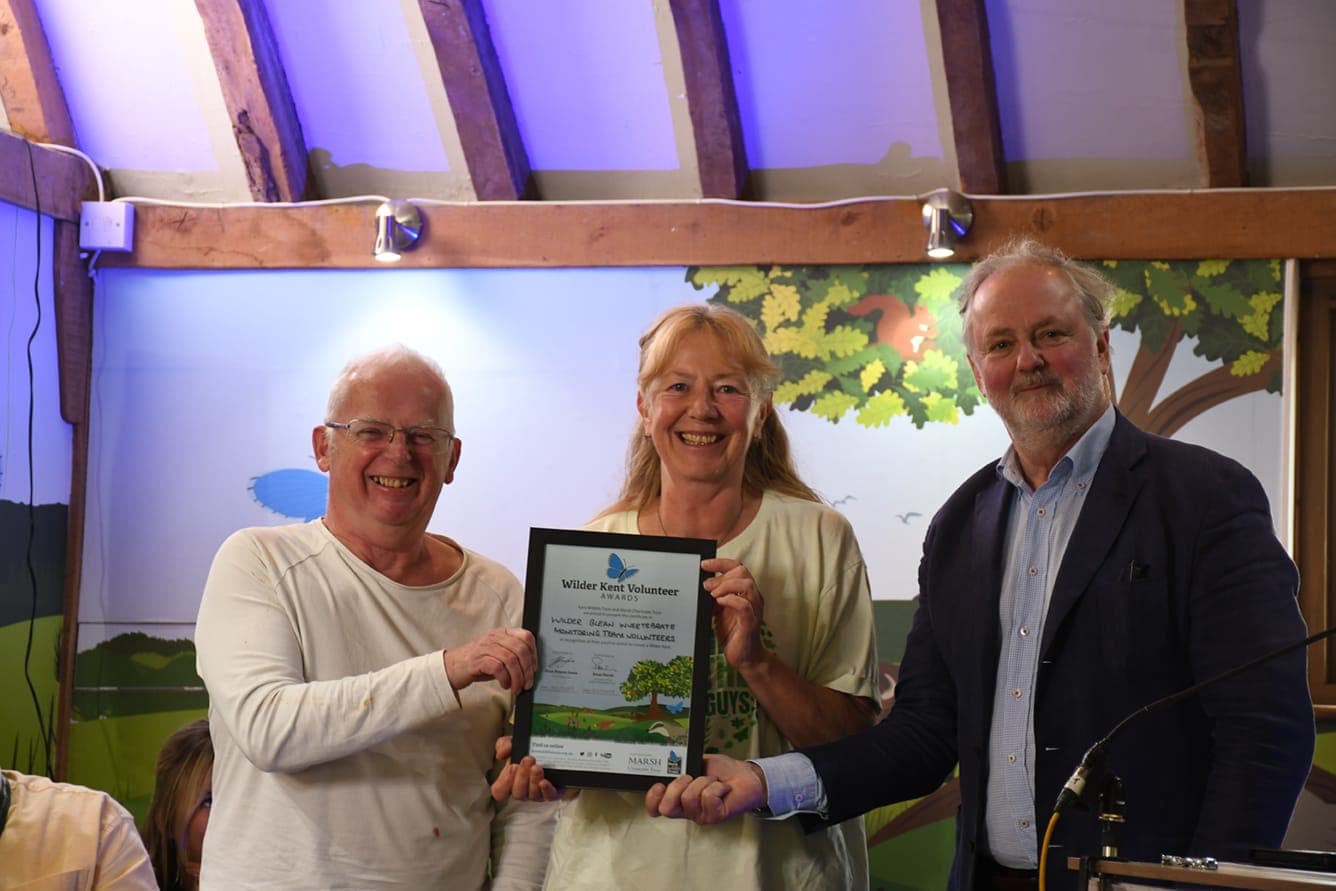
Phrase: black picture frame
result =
(596, 628)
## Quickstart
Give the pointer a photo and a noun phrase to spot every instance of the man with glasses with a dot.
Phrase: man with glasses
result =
(360, 669)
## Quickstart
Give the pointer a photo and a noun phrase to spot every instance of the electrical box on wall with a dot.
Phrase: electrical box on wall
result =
(107, 226)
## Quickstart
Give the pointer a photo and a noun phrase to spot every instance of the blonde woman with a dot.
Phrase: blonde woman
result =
(179, 812)
(794, 657)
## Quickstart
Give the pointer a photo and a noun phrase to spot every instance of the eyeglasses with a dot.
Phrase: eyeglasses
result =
(379, 434)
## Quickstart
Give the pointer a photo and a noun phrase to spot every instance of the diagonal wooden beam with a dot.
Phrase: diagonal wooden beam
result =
(29, 88)
(479, 100)
(1216, 82)
(968, 59)
(255, 89)
(711, 100)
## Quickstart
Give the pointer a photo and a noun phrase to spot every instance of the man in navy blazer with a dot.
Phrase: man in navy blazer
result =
(1093, 570)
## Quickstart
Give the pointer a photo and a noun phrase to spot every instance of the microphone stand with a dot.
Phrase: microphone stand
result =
(1078, 787)
(1112, 808)
(1093, 760)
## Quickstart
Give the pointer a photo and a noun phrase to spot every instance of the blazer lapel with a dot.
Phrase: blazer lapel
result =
(1112, 493)
(987, 540)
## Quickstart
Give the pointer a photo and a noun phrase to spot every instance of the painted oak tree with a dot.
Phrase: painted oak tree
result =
(1232, 308)
(879, 342)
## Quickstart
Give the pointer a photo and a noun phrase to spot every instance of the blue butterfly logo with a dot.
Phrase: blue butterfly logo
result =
(619, 570)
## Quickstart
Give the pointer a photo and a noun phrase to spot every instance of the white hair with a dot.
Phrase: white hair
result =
(395, 355)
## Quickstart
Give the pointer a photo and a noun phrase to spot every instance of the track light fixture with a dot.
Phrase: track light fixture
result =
(947, 216)
(398, 228)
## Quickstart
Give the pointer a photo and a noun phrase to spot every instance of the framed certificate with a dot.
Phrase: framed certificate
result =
(624, 635)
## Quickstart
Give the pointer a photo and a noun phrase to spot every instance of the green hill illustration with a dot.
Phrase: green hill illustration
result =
(135, 674)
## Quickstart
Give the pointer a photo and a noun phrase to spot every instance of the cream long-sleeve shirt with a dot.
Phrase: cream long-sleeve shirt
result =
(343, 759)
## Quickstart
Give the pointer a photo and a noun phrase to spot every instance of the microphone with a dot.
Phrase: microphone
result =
(1078, 788)
(1092, 764)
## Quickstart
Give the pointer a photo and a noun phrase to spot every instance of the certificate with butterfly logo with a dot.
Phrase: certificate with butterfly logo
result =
(624, 639)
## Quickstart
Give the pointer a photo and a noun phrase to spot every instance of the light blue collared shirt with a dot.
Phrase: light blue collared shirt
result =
(1039, 525)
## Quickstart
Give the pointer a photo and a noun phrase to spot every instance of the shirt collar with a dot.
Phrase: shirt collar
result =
(1080, 462)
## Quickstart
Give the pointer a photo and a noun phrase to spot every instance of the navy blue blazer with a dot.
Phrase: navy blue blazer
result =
(1172, 575)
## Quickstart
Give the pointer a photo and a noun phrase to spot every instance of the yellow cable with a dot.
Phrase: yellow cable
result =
(1043, 850)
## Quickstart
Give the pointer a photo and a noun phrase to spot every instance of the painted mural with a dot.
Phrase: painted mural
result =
(874, 343)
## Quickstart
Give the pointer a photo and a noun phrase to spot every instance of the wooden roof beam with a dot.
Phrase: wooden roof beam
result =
(968, 59)
(1216, 82)
(712, 101)
(259, 102)
(479, 100)
(63, 180)
(1161, 225)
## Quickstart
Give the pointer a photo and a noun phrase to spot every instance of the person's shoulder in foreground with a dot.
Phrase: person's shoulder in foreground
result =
(63, 836)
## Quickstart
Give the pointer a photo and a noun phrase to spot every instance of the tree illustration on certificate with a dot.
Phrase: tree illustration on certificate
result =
(654, 679)
(645, 719)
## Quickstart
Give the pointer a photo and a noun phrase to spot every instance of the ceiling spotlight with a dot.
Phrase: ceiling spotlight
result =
(947, 216)
(398, 228)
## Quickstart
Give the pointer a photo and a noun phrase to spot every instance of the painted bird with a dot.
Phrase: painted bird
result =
(292, 492)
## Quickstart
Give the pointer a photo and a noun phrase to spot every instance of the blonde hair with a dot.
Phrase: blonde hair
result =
(769, 463)
(184, 772)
